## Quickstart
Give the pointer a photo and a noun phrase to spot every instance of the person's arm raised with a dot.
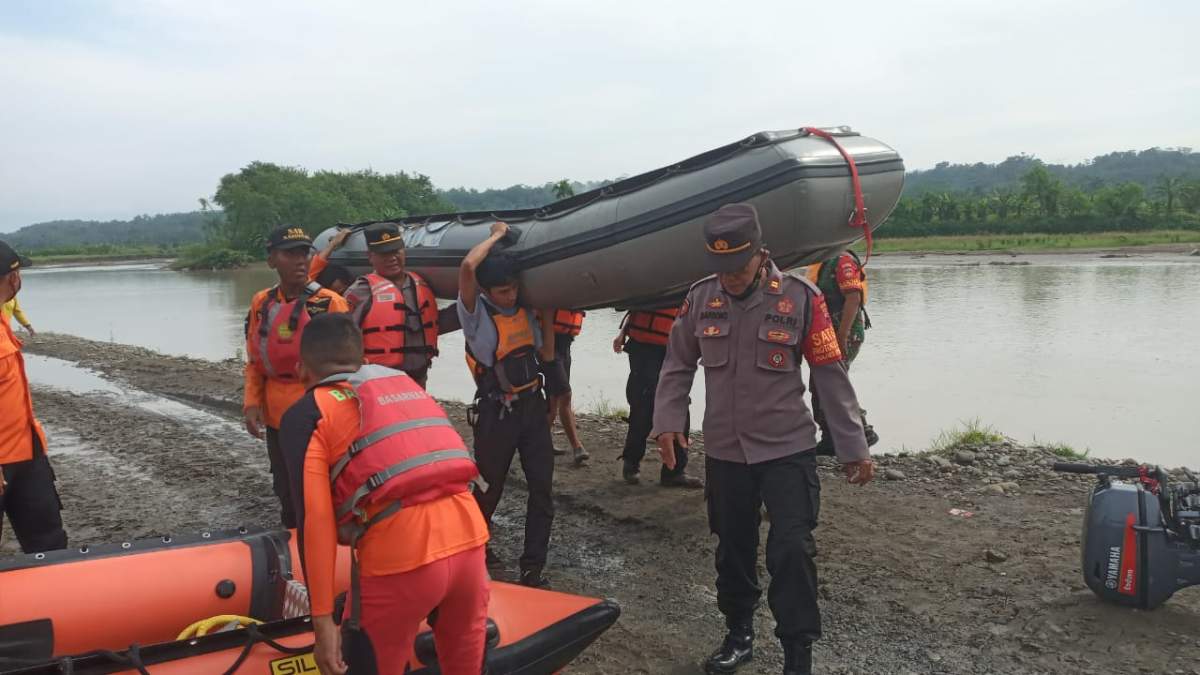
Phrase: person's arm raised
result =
(468, 286)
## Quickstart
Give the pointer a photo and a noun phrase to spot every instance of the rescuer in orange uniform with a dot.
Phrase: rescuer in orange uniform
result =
(274, 325)
(418, 535)
(27, 492)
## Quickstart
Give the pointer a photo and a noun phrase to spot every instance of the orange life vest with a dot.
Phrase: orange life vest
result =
(650, 327)
(406, 452)
(277, 347)
(399, 321)
(516, 368)
(567, 322)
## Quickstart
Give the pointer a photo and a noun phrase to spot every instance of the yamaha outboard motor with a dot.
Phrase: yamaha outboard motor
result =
(1141, 535)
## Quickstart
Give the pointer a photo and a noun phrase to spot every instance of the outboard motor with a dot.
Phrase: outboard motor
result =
(1141, 535)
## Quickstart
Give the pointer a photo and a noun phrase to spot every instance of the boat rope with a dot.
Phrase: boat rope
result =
(132, 657)
(858, 217)
(254, 637)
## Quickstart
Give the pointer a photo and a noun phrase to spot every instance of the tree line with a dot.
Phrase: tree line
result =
(1042, 202)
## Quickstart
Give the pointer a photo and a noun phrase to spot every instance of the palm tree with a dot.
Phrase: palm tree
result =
(563, 189)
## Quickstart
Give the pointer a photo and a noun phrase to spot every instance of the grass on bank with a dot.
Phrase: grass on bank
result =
(968, 433)
(1032, 242)
(1064, 450)
(99, 253)
(602, 407)
(210, 257)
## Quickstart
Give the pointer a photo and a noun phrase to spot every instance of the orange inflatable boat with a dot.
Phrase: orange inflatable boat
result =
(125, 608)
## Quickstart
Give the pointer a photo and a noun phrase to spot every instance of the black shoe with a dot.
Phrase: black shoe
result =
(797, 658)
(493, 560)
(736, 649)
(630, 474)
(681, 480)
(872, 437)
(533, 578)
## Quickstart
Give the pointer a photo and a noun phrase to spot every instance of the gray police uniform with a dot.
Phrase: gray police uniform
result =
(758, 434)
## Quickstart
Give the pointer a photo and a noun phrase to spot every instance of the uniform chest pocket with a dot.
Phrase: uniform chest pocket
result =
(714, 342)
(776, 349)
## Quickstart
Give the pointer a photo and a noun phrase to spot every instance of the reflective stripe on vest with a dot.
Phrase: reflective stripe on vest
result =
(268, 331)
(399, 321)
(378, 479)
(567, 322)
(650, 327)
(403, 433)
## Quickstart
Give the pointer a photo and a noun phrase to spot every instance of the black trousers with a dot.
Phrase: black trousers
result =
(500, 433)
(645, 362)
(791, 490)
(32, 504)
(279, 480)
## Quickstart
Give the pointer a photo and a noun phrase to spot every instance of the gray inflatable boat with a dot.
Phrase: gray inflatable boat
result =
(638, 243)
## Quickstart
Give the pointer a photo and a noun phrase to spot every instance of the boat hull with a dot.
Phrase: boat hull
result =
(639, 242)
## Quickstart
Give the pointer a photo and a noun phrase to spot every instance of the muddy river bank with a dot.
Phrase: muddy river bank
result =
(146, 444)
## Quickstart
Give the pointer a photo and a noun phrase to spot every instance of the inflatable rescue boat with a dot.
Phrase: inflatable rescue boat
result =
(135, 607)
(638, 242)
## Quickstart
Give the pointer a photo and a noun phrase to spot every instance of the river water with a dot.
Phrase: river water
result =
(1101, 354)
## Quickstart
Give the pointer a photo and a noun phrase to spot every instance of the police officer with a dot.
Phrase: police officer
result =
(27, 493)
(396, 308)
(750, 325)
(843, 281)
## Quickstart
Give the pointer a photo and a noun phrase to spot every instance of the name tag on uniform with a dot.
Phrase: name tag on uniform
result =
(385, 297)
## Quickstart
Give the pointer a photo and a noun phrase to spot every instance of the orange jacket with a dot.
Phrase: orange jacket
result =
(567, 322)
(17, 423)
(316, 433)
(274, 397)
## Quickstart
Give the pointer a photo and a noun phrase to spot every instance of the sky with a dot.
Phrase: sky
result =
(111, 109)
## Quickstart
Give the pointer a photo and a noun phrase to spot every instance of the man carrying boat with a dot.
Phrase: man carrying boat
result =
(396, 308)
(417, 534)
(510, 348)
(27, 492)
(750, 326)
(567, 326)
(643, 336)
(274, 326)
(843, 281)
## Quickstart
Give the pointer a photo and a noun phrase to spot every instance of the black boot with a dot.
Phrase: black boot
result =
(737, 648)
(797, 658)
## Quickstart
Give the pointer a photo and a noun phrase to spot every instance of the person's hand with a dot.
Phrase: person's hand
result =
(666, 446)
(29, 329)
(859, 473)
(499, 229)
(327, 648)
(844, 346)
(3, 483)
(619, 343)
(340, 238)
(254, 421)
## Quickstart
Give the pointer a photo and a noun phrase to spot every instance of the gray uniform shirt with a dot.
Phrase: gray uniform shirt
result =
(751, 350)
(480, 331)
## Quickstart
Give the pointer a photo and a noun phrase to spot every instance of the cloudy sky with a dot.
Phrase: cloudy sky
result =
(110, 109)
